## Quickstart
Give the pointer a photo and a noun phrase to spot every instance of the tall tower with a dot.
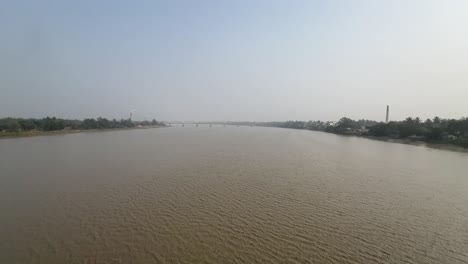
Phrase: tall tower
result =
(388, 112)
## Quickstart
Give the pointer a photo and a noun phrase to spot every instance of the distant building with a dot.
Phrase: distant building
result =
(364, 129)
(447, 136)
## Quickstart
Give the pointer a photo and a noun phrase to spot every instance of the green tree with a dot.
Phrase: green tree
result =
(12, 125)
(344, 125)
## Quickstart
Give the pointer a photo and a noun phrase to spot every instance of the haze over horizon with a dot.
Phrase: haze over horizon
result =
(234, 60)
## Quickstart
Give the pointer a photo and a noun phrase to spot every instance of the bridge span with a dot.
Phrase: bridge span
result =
(204, 123)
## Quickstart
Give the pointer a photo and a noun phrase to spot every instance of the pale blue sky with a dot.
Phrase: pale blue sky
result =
(234, 60)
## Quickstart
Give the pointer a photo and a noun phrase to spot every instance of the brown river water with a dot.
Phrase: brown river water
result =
(230, 195)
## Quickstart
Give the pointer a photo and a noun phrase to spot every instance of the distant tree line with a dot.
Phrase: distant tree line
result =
(340, 127)
(437, 130)
(433, 130)
(54, 124)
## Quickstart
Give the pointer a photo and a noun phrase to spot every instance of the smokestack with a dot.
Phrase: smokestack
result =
(388, 112)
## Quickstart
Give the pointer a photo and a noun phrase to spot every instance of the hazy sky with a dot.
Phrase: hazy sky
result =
(234, 60)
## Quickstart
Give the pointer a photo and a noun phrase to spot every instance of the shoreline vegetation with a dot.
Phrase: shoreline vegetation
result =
(436, 132)
(451, 134)
(29, 127)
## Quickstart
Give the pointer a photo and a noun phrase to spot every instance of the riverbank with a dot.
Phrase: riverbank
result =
(436, 145)
(429, 144)
(38, 133)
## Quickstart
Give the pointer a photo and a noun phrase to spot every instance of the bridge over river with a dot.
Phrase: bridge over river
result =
(206, 123)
